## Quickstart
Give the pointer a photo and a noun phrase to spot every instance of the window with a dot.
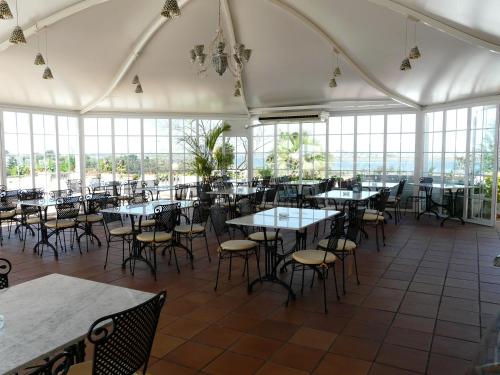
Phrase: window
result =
(341, 147)
(239, 167)
(263, 151)
(288, 148)
(181, 158)
(370, 146)
(314, 150)
(44, 149)
(400, 150)
(127, 138)
(98, 149)
(455, 146)
(433, 145)
(156, 150)
(17, 142)
(69, 150)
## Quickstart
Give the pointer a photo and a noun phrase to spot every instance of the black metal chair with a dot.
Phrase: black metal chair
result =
(162, 234)
(67, 212)
(91, 215)
(123, 341)
(113, 232)
(5, 268)
(348, 241)
(238, 248)
(75, 185)
(180, 192)
(8, 212)
(30, 215)
(320, 261)
(58, 365)
(423, 193)
(269, 197)
(55, 194)
(196, 229)
(394, 202)
(376, 217)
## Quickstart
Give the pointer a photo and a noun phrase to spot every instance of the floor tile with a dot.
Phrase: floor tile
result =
(218, 336)
(274, 369)
(313, 338)
(333, 364)
(405, 358)
(409, 338)
(256, 346)
(297, 356)
(194, 355)
(440, 364)
(232, 363)
(164, 344)
(274, 329)
(163, 367)
(355, 347)
(454, 347)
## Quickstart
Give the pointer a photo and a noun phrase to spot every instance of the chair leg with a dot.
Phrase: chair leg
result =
(154, 260)
(376, 236)
(176, 261)
(290, 285)
(303, 273)
(343, 274)
(257, 258)
(107, 252)
(335, 281)
(230, 265)
(218, 270)
(324, 291)
(206, 244)
(248, 270)
(355, 265)
(383, 233)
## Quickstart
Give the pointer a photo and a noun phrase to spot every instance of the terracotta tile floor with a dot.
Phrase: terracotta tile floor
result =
(419, 309)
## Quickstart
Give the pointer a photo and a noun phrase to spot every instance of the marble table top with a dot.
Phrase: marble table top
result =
(379, 185)
(441, 186)
(158, 189)
(47, 202)
(47, 314)
(303, 182)
(346, 195)
(145, 209)
(284, 218)
(240, 190)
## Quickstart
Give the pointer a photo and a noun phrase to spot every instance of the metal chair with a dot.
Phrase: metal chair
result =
(30, 215)
(58, 365)
(116, 233)
(196, 229)
(91, 215)
(8, 205)
(239, 248)
(5, 268)
(162, 234)
(123, 341)
(320, 261)
(416, 199)
(67, 211)
(395, 202)
(376, 217)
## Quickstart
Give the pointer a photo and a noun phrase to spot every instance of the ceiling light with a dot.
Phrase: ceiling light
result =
(220, 59)
(171, 9)
(5, 12)
(17, 36)
(333, 83)
(405, 64)
(39, 60)
(136, 81)
(415, 52)
(138, 89)
(47, 73)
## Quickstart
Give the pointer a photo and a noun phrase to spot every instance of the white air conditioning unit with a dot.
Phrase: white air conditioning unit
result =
(279, 117)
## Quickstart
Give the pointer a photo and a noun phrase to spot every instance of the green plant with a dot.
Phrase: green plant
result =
(264, 172)
(224, 156)
(203, 147)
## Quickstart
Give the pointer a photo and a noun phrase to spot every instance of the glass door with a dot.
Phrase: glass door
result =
(482, 196)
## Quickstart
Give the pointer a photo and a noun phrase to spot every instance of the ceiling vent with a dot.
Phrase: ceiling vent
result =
(303, 116)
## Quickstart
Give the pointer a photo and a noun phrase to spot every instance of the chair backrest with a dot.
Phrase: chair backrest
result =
(401, 187)
(270, 195)
(29, 194)
(123, 341)
(3, 187)
(58, 365)
(201, 213)
(166, 217)
(381, 199)
(180, 192)
(5, 267)
(245, 207)
(95, 202)
(60, 193)
(68, 207)
(336, 232)
(74, 185)
(355, 215)
(112, 217)
(425, 180)
(218, 217)
(138, 198)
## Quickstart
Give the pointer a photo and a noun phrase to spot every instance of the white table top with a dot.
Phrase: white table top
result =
(158, 188)
(303, 182)
(240, 190)
(284, 218)
(49, 201)
(50, 313)
(442, 186)
(145, 209)
(346, 195)
(379, 185)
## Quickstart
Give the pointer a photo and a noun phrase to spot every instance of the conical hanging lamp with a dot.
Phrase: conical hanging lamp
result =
(415, 52)
(405, 64)
(138, 89)
(17, 36)
(47, 73)
(39, 60)
(135, 80)
(337, 72)
(333, 83)
(171, 9)
(5, 13)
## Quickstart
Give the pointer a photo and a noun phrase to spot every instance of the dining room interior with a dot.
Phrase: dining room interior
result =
(260, 187)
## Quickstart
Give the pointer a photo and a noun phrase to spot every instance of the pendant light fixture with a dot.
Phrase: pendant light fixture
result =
(136, 80)
(47, 73)
(138, 89)
(17, 36)
(237, 89)
(171, 9)
(39, 60)
(336, 70)
(415, 52)
(405, 64)
(5, 13)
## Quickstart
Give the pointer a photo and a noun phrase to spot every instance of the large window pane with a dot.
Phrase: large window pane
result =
(17, 140)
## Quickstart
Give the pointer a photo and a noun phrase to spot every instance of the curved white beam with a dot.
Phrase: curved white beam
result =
(232, 41)
(428, 20)
(367, 76)
(145, 38)
(53, 18)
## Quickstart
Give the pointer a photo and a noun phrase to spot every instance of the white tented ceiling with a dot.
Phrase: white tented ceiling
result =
(92, 41)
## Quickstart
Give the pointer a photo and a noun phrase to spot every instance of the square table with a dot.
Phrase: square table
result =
(48, 314)
(430, 204)
(379, 185)
(347, 195)
(239, 190)
(145, 209)
(286, 218)
(158, 189)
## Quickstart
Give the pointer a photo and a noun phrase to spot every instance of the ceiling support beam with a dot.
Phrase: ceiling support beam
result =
(53, 18)
(365, 75)
(134, 54)
(232, 41)
(430, 21)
